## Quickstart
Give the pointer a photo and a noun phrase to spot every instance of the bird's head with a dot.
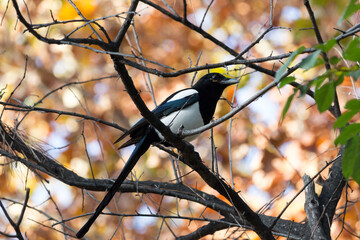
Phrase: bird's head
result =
(210, 88)
(216, 80)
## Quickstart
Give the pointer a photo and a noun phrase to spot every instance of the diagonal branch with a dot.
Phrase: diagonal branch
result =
(83, 17)
(336, 110)
(24, 108)
(16, 226)
(123, 30)
(38, 161)
(192, 158)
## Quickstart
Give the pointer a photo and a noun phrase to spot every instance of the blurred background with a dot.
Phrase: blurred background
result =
(268, 157)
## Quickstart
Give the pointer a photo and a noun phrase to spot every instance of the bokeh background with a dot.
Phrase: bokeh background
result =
(268, 156)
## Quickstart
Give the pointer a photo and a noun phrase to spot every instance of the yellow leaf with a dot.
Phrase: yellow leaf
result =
(86, 7)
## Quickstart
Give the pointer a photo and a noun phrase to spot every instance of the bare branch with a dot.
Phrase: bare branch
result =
(16, 226)
(207, 36)
(124, 28)
(313, 211)
(24, 108)
(82, 16)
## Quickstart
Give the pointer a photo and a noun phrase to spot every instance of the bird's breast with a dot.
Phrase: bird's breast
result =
(184, 119)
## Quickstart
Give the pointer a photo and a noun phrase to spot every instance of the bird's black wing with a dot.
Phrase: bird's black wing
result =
(167, 107)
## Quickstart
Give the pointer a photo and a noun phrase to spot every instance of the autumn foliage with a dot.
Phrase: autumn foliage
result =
(66, 100)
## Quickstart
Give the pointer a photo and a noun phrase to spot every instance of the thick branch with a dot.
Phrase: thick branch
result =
(331, 191)
(313, 211)
(37, 160)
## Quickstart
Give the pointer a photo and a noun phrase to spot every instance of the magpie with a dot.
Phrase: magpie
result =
(186, 109)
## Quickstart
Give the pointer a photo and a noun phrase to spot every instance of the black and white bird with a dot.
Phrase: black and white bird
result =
(186, 109)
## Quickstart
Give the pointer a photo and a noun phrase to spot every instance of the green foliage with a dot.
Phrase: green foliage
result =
(286, 81)
(324, 96)
(310, 61)
(306, 64)
(352, 52)
(324, 92)
(334, 60)
(353, 104)
(327, 46)
(354, 107)
(347, 133)
(351, 8)
(355, 74)
(324, 86)
(344, 119)
(351, 159)
(279, 74)
(319, 80)
(287, 105)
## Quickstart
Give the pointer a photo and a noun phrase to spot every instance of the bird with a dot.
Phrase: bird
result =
(187, 109)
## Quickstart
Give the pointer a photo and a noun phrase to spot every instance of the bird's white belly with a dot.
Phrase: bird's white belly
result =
(186, 119)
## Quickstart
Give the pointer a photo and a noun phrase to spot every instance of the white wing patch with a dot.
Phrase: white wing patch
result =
(188, 118)
(182, 94)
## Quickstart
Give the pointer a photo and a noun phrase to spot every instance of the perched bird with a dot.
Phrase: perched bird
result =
(186, 109)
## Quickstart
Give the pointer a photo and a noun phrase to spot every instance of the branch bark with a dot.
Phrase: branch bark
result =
(37, 160)
(313, 211)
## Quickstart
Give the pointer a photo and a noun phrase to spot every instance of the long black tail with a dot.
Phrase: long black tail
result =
(140, 149)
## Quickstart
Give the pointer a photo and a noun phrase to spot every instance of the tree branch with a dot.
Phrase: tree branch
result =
(206, 35)
(37, 160)
(313, 211)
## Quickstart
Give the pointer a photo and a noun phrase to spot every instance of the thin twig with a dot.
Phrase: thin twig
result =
(24, 108)
(83, 17)
(206, 11)
(17, 86)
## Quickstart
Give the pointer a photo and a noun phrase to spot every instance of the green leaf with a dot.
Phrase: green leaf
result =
(310, 61)
(353, 104)
(350, 9)
(286, 80)
(304, 89)
(324, 96)
(347, 132)
(319, 80)
(350, 162)
(352, 52)
(339, 79)
(287, 105)
(334, 60)
(344, 119)
(325, 47)
(354, 74)
(280, 72)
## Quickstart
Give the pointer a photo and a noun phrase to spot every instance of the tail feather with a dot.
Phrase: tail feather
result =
(131, 141)
(136, 131)
(122, 137)
(140, 149)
